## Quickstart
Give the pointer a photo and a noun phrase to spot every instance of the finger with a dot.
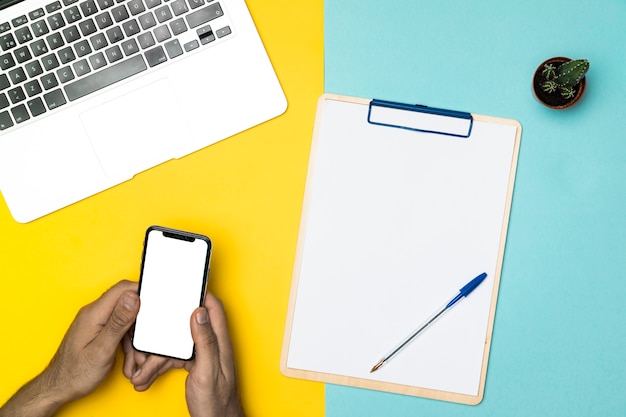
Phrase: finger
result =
(140, 358)
(152, 368)
(210, 332)
(145, 377)
(129, 357)
(217, 318)
(205, 339)
(103, 306)
(121, 319)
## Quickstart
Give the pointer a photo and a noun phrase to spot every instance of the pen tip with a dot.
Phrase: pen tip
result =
(378, 365)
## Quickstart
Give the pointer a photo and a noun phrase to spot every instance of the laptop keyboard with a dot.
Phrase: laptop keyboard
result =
(72, 48)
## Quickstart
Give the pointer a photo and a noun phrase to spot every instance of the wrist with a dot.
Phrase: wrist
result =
(38, 398)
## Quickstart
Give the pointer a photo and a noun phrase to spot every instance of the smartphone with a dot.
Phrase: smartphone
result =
(172, 284)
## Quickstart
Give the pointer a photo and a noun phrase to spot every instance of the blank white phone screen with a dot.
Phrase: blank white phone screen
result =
(171, 289)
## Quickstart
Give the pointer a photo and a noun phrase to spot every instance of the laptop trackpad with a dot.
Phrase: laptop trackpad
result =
(131, 133)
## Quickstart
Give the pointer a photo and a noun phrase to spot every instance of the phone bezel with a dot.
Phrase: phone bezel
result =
(174, 234)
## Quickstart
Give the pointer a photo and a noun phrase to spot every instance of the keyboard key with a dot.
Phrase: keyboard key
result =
(152, 3)
(4, 82)
(204, 15)
(98, 41)
(19, 21)
(72, 14)
(114, 54)
(82, 48)
(56, 21)
(163, 13)
(147, 21)
(20, 114)
(5, 120)
(105, 4)
(155, 56)
(50, 62)
(173, 48)
(87, 27)
(33, 69)
(104, 20)
(130, 47)
(97, 61)
(131, 27)
(223, 32)
(88, 7)
(53, 7)
(16, 95)
(65, 74)
(49, 81)
(190, 46)
(179, 7)
(7, 42)
(105, 77)
(32, 88)
(4, 27)
(205, 34)
(67, 55)
(22, 54)
(146, 40)
(120, 13)
(55, 41)
(23, 35)
(54, 99)
(39, 47)
(194, 4)
(36, 14)
(115, 34)
(71, 34)
(178, 26)
(81, 68)
(6, 61)
(4, 101)
(68, 2)
(40, 28)
(17, 75)
(36, 106)
(136, 7)
(162, 33)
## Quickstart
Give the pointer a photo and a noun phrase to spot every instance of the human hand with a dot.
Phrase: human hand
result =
(142, 369)
(87, 352)
(84, 358)
(211, 388)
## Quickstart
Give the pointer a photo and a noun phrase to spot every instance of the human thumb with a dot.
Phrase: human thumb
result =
(207, 348)
(120, 320)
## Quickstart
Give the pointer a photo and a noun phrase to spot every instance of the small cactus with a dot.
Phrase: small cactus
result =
(564, 78)
(549, 71)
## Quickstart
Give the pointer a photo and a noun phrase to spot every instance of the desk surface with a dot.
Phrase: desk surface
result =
(245, 193)
(559, 337)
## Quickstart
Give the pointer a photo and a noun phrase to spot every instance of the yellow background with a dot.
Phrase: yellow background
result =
(245, 193)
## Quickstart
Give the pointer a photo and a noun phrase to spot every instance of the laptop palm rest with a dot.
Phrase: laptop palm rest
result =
(129, 137)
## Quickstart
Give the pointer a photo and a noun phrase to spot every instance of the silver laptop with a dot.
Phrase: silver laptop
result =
(93, 92)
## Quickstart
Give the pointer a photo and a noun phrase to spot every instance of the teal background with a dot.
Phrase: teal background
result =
(559, 341)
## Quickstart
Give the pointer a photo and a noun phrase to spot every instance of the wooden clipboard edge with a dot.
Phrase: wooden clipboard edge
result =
(378, 385)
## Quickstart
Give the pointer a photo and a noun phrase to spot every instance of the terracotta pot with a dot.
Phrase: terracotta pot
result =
(555, 100)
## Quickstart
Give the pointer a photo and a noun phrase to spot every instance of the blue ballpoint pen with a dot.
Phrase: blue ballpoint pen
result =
(463, 292)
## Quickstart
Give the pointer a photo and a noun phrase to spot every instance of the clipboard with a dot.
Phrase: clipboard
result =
(403, 205)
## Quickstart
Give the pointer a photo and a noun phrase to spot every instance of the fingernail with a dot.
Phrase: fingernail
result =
(202, 317)
(136, 374)
(129, 301)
